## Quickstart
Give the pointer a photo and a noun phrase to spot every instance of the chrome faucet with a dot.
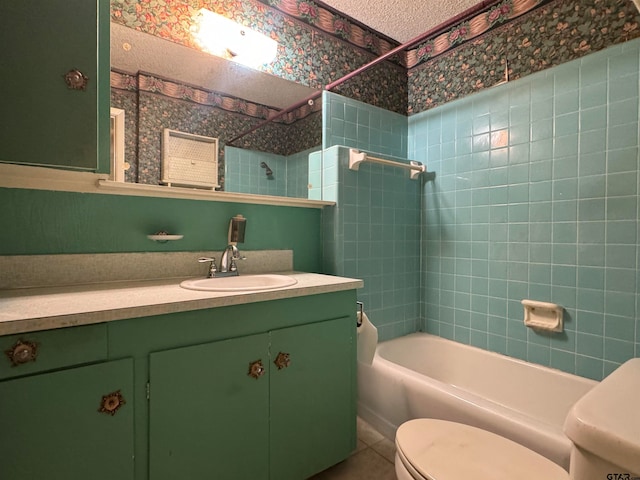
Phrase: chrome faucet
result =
(230, 254)
(228, 265)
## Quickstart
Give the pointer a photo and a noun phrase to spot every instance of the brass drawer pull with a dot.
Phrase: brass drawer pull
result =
(22, 352)
(111, 403)
(256, 369)
(283, 360)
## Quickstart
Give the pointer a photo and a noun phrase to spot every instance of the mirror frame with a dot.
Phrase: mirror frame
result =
(117, 145)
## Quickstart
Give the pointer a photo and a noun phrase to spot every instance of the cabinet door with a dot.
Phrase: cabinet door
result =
(208, 417)
(44, 121)
(51, 426)
(312, 399)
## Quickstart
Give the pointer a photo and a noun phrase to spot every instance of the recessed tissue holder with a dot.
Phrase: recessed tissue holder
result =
(543, 315)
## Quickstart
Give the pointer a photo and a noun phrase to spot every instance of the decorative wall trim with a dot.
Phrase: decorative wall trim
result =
(470, 29)
(553, 33)
(339, 25)
(521, 36)
(145, 82)
(333, 55)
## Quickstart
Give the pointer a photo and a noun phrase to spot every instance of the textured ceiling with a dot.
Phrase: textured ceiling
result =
(402, 20)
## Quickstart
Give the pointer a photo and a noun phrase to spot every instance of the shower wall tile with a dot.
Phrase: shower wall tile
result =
(359, 125)
(315, 175)
(298, 168)
(373, 232)
(244, 174)
(538, 198)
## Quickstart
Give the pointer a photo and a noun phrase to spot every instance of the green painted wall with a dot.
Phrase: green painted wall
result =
(48, 222)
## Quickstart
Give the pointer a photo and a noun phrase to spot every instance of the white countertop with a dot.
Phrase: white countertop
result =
(32, 309)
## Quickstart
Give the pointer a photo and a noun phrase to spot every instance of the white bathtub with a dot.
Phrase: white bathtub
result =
(425, 376)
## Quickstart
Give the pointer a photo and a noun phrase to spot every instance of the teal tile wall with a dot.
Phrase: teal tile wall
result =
(243, 173)
(298, 166)
(373, 231)
(315, 175)
(536, 196)
(356, 124)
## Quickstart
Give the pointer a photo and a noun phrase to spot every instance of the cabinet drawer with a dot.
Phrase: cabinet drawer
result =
(72, 424)
(33, 352)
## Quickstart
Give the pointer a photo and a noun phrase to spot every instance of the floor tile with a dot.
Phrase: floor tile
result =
(367, 433)
(386, 448)
(372, 459)
(364, 465)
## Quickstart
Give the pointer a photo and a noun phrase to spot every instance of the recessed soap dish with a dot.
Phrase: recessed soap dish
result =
(163, 237)
(543, 315)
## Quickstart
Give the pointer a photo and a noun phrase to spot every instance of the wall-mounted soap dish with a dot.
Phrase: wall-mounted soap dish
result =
(543, 315)
(163, 237)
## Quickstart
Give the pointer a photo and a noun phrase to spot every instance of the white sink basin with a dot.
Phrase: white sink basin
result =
(240, 283)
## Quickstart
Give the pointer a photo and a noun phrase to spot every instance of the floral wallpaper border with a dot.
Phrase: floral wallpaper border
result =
(334, 23)
(518, 36)
(173, 89)
(306, 54)
(332, 57)
(491, 18)
(554, 33)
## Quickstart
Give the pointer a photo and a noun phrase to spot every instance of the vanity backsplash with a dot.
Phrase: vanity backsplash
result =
(24, 271)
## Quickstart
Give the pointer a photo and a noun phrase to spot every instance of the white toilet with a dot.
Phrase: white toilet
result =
(604, 427)
(430, 449)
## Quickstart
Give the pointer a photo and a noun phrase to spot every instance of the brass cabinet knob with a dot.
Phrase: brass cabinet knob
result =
(256, 369)
(22, 352)
(111, 403)
(283, 360)
(76, 80)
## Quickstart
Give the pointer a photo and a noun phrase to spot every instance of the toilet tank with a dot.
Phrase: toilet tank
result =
(604, 426)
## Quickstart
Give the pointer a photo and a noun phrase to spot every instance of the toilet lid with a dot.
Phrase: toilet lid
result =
(442, 450)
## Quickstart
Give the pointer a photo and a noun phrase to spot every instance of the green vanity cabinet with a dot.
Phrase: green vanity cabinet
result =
(276, 405)
(263, 390)
(202, 414)
(41, 351)
(70, 424)
(45, 121)
(311, 415)
(208, 418)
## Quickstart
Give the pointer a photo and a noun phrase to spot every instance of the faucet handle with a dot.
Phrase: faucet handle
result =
(213, 269)
(233, 267)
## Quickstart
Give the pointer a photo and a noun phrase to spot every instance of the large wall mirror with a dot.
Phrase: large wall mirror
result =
(163, 80)
(161, 84)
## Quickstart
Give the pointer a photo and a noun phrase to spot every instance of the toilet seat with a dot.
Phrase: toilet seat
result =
(433, 449)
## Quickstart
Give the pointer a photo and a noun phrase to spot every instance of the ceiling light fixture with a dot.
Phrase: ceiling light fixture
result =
(221, 36)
